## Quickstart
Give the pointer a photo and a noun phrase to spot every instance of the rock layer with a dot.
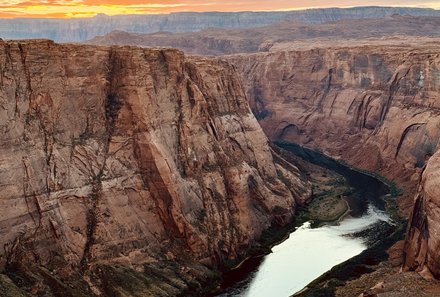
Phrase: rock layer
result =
(125, 156)
(81, 29)
(423, 240)
(376, 107)
(288, 35)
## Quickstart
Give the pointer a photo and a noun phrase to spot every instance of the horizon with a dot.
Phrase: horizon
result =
(63, 9)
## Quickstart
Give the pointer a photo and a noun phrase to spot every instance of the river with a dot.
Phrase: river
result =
(309, 252)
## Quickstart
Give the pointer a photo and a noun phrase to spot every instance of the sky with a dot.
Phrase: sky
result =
(88, 8)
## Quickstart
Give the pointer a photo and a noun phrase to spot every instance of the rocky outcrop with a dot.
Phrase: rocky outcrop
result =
(81, 29)
(423, 240)
(117, 161)
(377, 108)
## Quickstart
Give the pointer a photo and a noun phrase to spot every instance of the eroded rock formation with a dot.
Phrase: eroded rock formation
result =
(129, 158)
(423, 240)
(336, 87)
(376, 107)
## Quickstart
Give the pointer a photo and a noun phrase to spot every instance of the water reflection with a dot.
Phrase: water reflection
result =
(307, 254)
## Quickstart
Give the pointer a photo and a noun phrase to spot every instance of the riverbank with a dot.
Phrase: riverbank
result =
(338, 191)
(327, 204)
(360, 273)
(305, 255)
(369, 261)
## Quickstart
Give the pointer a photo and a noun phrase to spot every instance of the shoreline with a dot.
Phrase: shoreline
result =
(335, 189)
(307, 161)
(345, 214)
(311, 286)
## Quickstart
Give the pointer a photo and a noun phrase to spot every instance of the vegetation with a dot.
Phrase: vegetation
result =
(328, 203)
(363, 263)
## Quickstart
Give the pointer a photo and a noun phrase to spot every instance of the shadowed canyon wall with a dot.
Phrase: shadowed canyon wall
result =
(127, 156)
(423, 241)
(376, 107)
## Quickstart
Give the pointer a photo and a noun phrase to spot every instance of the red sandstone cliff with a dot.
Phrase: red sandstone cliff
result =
(423, 240)
(375, 107)
(336, 87)
(113, 157)
(119, 160)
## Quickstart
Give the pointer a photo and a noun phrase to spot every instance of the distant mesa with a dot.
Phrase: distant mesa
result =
(79, 30)
(287, 35)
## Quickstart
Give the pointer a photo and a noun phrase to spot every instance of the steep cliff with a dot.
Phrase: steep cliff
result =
(129, 172)
(376, 107)
(423, 240)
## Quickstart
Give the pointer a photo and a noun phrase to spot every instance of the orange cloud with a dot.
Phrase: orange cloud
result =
(86, 8)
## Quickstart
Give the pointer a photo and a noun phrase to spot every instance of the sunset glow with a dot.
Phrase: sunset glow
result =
(87, 8)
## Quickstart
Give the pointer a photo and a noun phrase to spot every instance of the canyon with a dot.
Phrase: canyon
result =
(135, 171)
(366, 97)
(376, 108)
(373, 107)
(375, 101)
(121, 160)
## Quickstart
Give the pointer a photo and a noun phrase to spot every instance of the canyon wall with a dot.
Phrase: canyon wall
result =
(81, 29)
(367, 97)
(120, 160)
(423, 240)
(377, 108)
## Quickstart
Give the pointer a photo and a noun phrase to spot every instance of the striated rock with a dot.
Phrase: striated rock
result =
(288, 35)
(373, 103)
(81, 29)
(423, 237)
(377, 108)
(118, 160)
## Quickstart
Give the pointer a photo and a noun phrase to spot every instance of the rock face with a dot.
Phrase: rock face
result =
(376, 107)
(127, 157)
(82, 29)
(423, 240)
